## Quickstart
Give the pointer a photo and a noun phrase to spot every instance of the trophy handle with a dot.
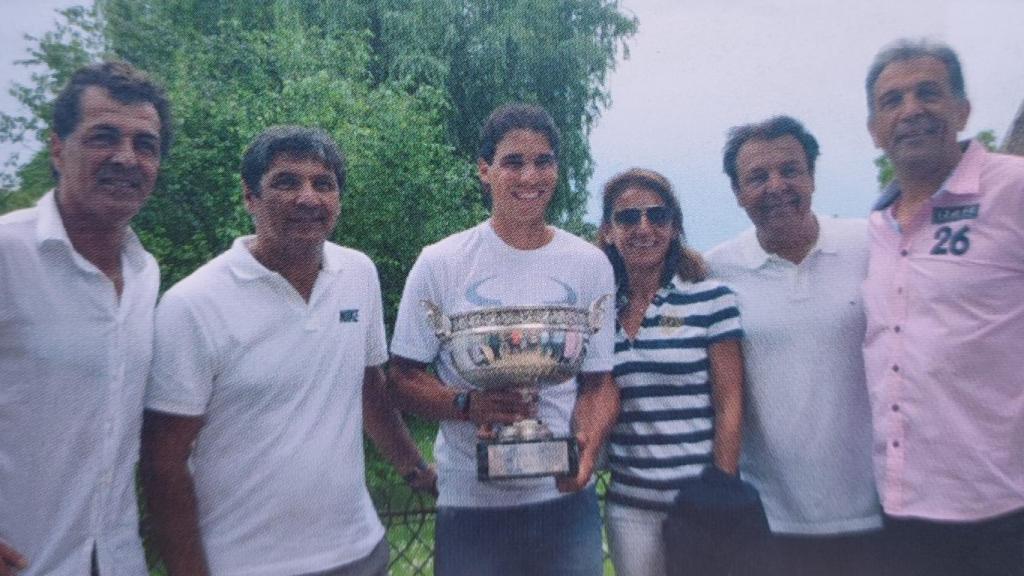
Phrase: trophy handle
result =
(442, 324)
(597, 313)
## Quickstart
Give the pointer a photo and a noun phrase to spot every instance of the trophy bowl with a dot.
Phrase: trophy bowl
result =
(517, 345)
(522, 347)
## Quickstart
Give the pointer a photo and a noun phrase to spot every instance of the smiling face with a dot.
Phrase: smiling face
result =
(644, 244)
(297, 204)
(774, 186)
(108, 164)
(521, 177)
(916, 115)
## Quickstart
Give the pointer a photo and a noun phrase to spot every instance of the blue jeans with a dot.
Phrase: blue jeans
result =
(561, 537)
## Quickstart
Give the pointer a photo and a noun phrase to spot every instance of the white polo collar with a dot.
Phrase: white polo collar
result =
(753, 256)
(50, 230)
(245, 266)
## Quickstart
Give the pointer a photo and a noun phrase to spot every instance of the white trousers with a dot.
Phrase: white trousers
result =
(634, 538)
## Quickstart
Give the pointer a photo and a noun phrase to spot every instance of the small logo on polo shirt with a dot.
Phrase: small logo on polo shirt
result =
(349, 315)
(670, 323)
(947, 214)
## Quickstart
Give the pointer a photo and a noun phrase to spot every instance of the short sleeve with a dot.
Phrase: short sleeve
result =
(601, 348)
(376, 343)
(414, 336)
(724, 316)
(181, 381)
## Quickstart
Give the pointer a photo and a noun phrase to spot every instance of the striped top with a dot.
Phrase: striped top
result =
(665, 429)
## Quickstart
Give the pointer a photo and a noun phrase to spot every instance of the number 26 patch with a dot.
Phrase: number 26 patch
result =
(949, 242)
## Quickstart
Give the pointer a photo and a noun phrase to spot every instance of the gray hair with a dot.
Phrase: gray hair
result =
(908, 49)
(295, 141)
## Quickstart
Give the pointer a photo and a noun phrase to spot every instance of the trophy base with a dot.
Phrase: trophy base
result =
(506, 460)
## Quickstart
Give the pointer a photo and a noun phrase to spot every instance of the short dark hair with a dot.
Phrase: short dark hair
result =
(679, 259)
(911, 49)
(516, 116)
(770, 129)
(290, 140)
(125, 83)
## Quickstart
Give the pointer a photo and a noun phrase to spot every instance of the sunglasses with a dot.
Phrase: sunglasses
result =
(656, 216)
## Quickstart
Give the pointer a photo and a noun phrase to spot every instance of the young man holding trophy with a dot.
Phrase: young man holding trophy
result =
(507, 312)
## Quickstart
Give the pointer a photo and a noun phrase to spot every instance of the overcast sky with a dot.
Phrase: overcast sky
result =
(21, 17)
(698, 67)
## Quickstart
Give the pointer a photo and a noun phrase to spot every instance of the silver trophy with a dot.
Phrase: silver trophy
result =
(527, 347)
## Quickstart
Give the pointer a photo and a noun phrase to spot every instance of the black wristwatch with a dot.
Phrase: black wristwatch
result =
(461, 403)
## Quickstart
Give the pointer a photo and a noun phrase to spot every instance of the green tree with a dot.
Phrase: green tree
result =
(35, 178)
(489, 52)
(402, 85)
(407, 187)
(476, 54)
(406, 81)
(75, 41)
(230, 85)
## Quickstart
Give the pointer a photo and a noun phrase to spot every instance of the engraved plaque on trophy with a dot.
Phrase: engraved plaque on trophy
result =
(525, 347)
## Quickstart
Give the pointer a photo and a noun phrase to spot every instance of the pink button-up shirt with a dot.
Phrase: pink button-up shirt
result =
(944, 350)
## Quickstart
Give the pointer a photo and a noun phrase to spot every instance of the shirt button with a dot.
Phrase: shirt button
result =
(904, 252)
(896, 329)
(895, 368)
(895, 443)
(899, 290)
(895, 407)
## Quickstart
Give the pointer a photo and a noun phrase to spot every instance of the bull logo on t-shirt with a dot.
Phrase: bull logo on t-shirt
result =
(489, 292)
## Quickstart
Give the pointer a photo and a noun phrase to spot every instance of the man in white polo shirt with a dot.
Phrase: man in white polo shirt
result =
(807, 426)
(77, 291)
(267, 365)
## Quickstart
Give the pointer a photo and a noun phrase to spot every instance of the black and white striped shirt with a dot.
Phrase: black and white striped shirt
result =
(665, 429)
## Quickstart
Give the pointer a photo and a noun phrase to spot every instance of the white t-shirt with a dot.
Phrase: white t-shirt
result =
(475, 269)
(73, 365)
(278, 464)
(807, 423)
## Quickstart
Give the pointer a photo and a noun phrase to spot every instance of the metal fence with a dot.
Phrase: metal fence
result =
(409, 520)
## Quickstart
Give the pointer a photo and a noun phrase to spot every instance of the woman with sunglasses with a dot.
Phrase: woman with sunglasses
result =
(678, 367)
(535, 526)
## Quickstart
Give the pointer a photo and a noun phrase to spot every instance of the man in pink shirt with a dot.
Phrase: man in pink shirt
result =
(944, 346)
